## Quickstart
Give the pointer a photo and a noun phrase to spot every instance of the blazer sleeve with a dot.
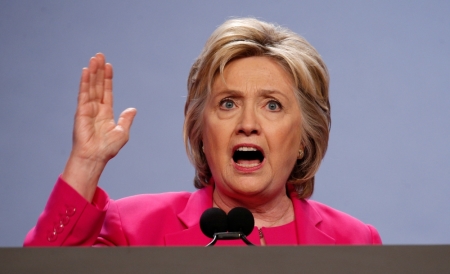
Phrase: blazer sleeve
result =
(375, 236)
(68, 219)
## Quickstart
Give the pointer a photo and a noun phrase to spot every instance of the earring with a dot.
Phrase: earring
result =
(300, 154)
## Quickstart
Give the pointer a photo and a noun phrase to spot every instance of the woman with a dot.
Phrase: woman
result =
(257, 121)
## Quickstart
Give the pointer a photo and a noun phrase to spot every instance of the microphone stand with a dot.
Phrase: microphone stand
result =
(229, 236)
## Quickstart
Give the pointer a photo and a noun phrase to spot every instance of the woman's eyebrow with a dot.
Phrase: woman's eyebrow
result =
(237, 93)
(228, 92)
(267, 92)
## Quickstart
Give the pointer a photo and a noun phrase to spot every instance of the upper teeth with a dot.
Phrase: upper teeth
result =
(247, 149)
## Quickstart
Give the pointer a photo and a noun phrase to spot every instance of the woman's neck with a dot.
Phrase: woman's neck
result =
(272, 212)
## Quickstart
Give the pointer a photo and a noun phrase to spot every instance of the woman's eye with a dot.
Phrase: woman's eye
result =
(227, 104)
(273, 105)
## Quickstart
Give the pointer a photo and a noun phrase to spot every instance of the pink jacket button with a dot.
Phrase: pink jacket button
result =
(51, 237)
(70, 210)
(58, 228)
(64, 220)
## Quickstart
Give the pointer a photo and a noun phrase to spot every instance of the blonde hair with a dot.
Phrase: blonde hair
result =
(245, 37)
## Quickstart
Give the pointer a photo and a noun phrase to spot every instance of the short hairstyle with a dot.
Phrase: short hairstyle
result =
(247, 37)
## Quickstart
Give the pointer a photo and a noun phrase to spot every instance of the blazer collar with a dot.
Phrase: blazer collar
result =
(199, 201)
(307, 220)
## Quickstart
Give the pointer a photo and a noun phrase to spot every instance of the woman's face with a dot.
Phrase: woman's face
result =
(252, 128)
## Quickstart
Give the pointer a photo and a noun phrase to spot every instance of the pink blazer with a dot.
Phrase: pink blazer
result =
(172, 219)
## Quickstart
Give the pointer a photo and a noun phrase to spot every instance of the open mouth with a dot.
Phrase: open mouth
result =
(248, 156)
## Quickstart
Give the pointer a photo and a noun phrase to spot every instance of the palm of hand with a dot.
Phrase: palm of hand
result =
(96, 135)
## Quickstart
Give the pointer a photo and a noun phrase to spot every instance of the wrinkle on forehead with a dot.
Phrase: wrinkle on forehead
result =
(255, 76)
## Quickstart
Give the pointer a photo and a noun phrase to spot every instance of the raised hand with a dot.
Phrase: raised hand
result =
(96, 136)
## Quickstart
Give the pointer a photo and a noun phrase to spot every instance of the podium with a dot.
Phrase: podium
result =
(293, 259)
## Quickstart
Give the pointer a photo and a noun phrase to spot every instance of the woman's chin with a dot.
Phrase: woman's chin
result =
(248, 186)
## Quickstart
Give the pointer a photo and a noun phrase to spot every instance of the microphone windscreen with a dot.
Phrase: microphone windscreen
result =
(213, 220)
(240, 219)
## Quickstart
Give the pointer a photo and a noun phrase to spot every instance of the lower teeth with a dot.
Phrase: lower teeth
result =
(247, 165)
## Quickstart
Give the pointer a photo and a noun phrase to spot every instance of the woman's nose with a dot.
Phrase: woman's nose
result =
(248, 123)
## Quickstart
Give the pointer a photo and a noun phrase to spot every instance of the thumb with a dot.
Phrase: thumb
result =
(126, 119)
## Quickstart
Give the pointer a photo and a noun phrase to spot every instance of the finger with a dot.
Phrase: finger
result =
(100, 77)
(126, 119)
(93, 66)
(83, 93)
(108, 95)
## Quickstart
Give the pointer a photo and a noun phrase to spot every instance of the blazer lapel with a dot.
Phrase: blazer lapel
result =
(307, 220)
(199, 201)
(306, 217)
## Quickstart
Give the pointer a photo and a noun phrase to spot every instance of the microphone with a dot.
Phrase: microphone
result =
(213, 220)
(241, 219)
(215, 224)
